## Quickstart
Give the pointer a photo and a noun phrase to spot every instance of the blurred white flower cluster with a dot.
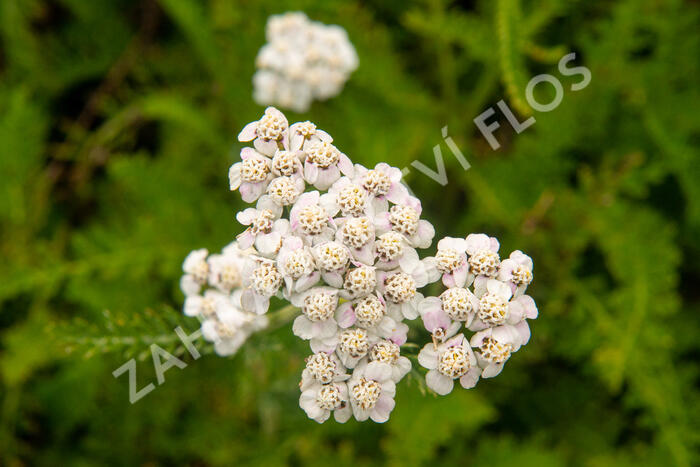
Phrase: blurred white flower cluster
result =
(340, 243)
(212, 285)
(302, 61)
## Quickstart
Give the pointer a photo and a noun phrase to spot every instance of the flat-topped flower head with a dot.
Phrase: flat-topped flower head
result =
(494, 346)
(405, 219)
(369, 311)
(284, 191)
(516, 271)
(310, 220)
(320, 400)
(331, 256)
(360, 281)
(304, 134)
(450, 360)
(390, 353)
(357, 233)
(483, 257)
(372, 391)
(286, 163)
(399, 287)
(251, 176)
(390, 246)
(318, 306)
(322, 368)
(497, 308)
(297, 265)
(324, 164)
(196, 271)
(459, 304)
(265, 229)
(269, 133)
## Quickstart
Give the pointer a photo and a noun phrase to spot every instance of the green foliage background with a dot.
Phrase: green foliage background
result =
(117, 127)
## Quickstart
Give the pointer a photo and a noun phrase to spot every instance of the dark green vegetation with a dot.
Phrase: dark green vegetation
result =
(117, 127)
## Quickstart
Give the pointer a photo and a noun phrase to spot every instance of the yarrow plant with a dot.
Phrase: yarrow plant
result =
(302, 61)
(340, 243)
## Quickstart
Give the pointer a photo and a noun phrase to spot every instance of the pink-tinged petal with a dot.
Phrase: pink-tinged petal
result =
(480, 284)
(328, 202)
(428, 357)
(494, 245)
(302, 327)
(505, 270)
(365, 254)
(249, 132)
(398, 193)
(439, 383)
(529, 306)
(268, 244)
(409, 310)
(429, 304)
(409, 261)
(458, 244)
(499, 289)
(334, 279)
(266, 147)
(345, 316)
(345, 165)
(378, 371)
(323, 136)
(381, 411)
(247, 153)
(311, 172)
(248, 192)
(494, 369)
(382, 223)
(478, 339)
(460, 274)
(305, 282)
(343, 415)
(247, 216)
(327, 177)
(377, 205)
(322, 345)
(414, 203)
(470, 379)
(477, 325)
(325, 329)
(296, 141)
(245, 239)
(399, 334)
(449, 280)
(435, 319)
(234, 176)
(515, 313)
(523, 332)
(455, 341)
(477, 242)
(424, 235)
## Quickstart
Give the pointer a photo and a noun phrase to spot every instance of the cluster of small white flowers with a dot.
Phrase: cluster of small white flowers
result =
(212, 285)
(339, 242)
(303, 61)
(495, 309)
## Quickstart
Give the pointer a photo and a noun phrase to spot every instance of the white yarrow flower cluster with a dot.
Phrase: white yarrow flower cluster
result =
(213, 287)
(340, 243)
(302, 61)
